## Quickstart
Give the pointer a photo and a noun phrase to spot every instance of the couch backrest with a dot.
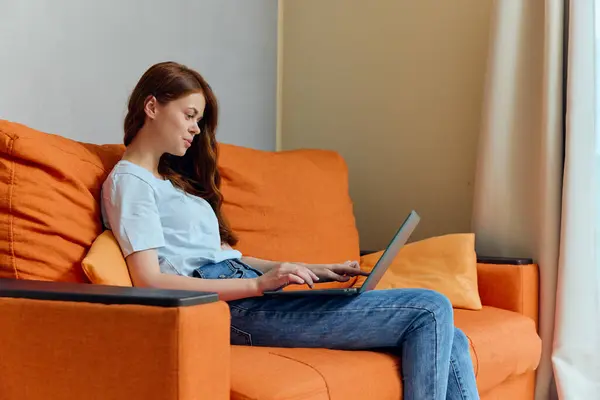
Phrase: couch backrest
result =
(290, 206)
(49, 210)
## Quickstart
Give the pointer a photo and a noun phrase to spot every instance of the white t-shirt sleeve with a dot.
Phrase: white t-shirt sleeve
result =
(132, 213)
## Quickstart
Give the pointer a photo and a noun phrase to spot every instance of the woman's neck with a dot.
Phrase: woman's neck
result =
(142, 152)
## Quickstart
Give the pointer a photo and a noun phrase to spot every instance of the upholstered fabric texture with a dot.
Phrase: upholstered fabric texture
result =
(289, 205)
(49, 202)
(76, 350)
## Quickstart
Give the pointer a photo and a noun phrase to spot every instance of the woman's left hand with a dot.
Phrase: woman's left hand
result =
(337, 272)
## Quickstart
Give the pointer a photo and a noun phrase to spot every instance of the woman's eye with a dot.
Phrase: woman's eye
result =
(189, 116)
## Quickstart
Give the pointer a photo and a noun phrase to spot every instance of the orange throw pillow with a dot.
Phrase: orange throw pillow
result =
(446, 264)
(104, 263)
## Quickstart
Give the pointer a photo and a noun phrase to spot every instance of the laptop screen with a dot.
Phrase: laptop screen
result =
(399, 240)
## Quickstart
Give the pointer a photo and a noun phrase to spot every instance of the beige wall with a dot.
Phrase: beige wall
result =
(396, 87)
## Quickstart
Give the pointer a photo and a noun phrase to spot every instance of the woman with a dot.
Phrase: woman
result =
(163, 203)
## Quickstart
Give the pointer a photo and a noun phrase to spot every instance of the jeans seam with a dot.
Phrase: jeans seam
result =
(287, 312)
(437, 350)
(230, 266)
(458, 378)
(244, 333)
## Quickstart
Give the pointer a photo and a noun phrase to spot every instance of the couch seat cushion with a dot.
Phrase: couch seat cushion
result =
(266, 373)
(504, 345)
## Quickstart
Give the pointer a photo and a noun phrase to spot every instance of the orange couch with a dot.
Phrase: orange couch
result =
(61, 338)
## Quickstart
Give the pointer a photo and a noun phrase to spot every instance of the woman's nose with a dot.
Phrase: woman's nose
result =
(195, 129)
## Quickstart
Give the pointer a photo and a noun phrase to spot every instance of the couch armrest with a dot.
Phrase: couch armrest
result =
(509, 283)
(76, 341)
(41, 290)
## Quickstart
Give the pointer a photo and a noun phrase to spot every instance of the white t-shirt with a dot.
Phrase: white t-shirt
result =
(145, 212)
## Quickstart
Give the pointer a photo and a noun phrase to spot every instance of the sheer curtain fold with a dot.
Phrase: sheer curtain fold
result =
(536, 188)
(576, 346)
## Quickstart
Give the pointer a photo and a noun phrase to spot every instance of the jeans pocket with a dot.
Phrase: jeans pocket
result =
(240, 338)
(221, 270)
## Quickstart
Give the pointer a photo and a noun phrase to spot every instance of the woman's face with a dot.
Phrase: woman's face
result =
(176, 122)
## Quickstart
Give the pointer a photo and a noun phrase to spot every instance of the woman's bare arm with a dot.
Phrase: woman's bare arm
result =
(145, 272)
(257, 263)
(261, 265)
(320, 272)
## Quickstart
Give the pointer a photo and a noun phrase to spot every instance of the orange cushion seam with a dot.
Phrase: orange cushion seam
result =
(12, 137)
(100, 167)
(476, 355)
(241, 396)
(11, 227)
(308, 365)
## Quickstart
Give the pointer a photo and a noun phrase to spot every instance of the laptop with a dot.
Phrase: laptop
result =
(399, 240)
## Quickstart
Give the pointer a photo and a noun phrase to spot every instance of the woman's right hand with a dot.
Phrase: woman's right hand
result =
(285, 274)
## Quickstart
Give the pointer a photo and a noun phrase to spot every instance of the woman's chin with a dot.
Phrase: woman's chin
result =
(179, 152)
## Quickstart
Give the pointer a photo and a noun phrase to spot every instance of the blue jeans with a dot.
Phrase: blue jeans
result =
(415, 324)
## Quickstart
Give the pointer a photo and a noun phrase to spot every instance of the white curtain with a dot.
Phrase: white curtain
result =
(576, 350)
(537, 188)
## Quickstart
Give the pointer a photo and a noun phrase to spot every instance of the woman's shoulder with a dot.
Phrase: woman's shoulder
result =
(129, 171)
(126, 173)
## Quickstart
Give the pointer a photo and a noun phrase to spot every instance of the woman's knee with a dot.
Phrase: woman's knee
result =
(439, 305)
(434, 305)
(461, 341)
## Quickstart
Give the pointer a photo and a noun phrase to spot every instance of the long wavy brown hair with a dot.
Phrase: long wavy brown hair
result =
(196, 172)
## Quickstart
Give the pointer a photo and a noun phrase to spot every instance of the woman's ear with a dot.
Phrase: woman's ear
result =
(150, 106)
